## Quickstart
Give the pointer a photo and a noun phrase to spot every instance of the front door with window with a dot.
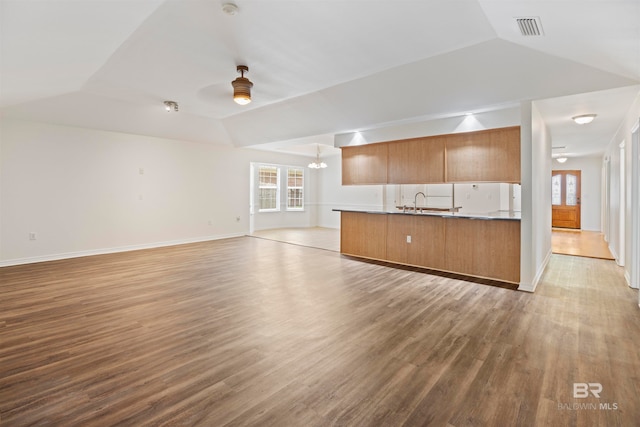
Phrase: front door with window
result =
(565, 199)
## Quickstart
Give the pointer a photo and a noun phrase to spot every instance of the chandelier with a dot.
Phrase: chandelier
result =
(317, 164)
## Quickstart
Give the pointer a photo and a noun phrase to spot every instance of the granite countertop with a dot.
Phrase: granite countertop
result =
(508, 215)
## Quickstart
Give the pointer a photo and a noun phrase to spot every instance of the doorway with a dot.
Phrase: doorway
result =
(565, 199)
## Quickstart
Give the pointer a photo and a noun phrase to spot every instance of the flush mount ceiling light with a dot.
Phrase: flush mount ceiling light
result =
(317, 164)
(230, 8)
(584, 118)
(242, 87)
(171, 105)
(561, 159)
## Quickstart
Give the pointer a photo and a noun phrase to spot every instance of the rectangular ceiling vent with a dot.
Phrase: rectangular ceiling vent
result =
(530, 26)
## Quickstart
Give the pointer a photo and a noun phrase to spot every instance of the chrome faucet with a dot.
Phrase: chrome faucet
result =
(415, 201)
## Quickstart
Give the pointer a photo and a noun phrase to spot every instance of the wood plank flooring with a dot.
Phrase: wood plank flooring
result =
(314, 237)
(255, 332)
(579, 243)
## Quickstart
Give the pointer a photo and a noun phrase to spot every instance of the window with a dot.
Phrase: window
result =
(268, 188)
(295, 189)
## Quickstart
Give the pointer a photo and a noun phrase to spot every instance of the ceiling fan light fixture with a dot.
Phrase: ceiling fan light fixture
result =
(170, 106)
(583, 119)
(242, 87)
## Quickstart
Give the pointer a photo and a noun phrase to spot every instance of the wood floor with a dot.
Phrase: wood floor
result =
(315, 237)
(579, 243)
(255, 332)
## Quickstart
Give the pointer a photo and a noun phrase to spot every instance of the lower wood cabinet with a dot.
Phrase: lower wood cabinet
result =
(416, 240)
(363, 234)
(483, 248)
(475, 247)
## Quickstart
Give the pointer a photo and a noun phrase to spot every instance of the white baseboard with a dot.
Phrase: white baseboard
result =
(615, 256)
(627, 277)
(67, 255)
(531, 287)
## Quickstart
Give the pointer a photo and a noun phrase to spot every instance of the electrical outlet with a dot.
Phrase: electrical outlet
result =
(33, 236)
(210, 222)
(408, 239)
(141, 171)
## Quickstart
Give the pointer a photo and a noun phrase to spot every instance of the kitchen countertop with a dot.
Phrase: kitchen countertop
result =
(508, 215)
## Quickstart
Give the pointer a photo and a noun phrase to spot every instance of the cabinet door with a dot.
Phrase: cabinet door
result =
(363, 234)
(416, 161)
(485, 156)
(364, 164)
(426, 245)
(483, 248)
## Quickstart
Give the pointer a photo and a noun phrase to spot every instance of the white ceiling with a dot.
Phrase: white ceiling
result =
(319, 67)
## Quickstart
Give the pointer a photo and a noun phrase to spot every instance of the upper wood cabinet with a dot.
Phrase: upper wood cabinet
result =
(486, 156)
(491, 155)
(416, 161)
(364, 164)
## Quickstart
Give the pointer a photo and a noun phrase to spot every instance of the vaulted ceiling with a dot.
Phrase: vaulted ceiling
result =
(319, 67)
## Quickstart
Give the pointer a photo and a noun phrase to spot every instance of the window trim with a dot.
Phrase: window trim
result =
(301, 208)
(277, 188)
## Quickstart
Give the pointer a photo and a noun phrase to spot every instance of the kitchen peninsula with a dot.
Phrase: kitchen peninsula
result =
(479, 245)
(485, 245)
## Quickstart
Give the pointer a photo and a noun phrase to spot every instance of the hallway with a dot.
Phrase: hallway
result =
(589, 244)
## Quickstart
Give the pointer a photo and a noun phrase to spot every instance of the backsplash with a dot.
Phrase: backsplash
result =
(472, 198)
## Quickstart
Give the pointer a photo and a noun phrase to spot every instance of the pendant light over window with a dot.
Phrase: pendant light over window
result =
(242, 87)
(317, 164)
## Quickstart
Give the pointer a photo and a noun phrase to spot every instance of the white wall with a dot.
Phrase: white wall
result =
(82, 192)
(535, 245)
(487, 120)
(333, 195)
(615, 214)
(591, 184)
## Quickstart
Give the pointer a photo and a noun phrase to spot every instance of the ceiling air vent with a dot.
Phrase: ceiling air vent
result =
(530, 26)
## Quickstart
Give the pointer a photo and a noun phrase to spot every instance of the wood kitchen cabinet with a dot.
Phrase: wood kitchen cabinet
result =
(483, 248)
(485, 156)
(491, 155)
(416, 161)
(426, 248)
(363, 234)
(486, 248)
(364, 164)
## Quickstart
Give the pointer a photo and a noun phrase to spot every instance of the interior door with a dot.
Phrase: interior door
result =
(565, 199)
